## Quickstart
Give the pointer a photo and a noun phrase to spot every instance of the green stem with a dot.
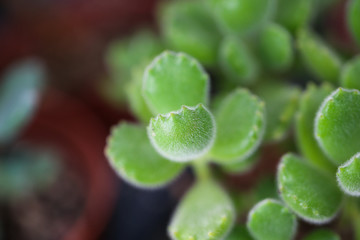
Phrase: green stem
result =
(201, 168)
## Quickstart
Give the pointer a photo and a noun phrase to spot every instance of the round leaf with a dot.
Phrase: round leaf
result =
(320, 59)
(183, 135)
(275, 47)
(311, 193)
(189, 27)
(237, 61)
(132, 156)
(348, 176)
(173, 80)
(19, 93)
(270, 220)
(206, 212)
(310, 102)
(337, 126)
(242, 16)
(240, 119)
(350, 74)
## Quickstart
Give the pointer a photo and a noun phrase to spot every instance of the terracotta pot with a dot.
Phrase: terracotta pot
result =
(67, 125)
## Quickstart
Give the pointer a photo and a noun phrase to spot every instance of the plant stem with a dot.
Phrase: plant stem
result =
(201, 169)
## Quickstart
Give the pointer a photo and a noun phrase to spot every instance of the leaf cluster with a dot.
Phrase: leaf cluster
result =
(189, 117)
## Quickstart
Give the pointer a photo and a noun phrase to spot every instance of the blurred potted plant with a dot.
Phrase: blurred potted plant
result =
(54, 169)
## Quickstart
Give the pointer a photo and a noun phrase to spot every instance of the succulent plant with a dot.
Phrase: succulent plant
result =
(218, 97)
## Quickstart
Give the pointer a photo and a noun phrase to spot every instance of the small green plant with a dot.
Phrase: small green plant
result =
(223, 122)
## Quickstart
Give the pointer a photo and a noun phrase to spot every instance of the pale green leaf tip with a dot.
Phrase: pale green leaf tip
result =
(349, 181)
(183, 135)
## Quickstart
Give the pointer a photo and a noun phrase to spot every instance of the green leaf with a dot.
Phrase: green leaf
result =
(311, 193)
(125, 54)
(275, 47)
(173, 80)
(242, 16)
(348, 176)
(19, 93)
(189, 27)
(206, 212)
(294, 14)
(134, 95)
(310, 102)
(270, 220)
(122, 56)
(337, 126)
(353, 19)
(132, 156)
(322, 234)
(240, 126)
(350, 74)
(319, 58)
(243, 165)
(281, 104)
(239, 232)
(237, 61)
(183, 135)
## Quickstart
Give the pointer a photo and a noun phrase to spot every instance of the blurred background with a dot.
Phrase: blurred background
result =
(55, 182)
(57, 105)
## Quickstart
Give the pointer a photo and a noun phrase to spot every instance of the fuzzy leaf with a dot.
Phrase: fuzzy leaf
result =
(353, 19)
(320, 59)
(311, 193)
(294, 14)
(237, 61)
(132, 156)
(242, 16)
(337, 126)
(270, 220)
(189, 27)
(183, 135)
(275, 47)
(239, 232)
(173, 80)
(350, 74)
(310, 102)
(19, 93)
(322, 234)
(206, 212)
(240, 126)
(281, 104)
(348, 176)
